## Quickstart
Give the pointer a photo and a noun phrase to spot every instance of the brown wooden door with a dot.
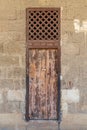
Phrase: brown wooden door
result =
(42, 63)
(43, 79)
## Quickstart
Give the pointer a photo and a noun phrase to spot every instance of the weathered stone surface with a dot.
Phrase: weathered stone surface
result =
(71, 49)
(16, 72)
(6, 60)
(16, 25)
(12, 107)
(7, 14)
(15, 48)
(3, 72)
(1, 97)
(7, 4)
(70, 96)
(64, 107)
(12, 25)
(23, 61)
(84, 108)
(6, 83)
(16, 95)
(22, 107)
(19, 83)
(76, 3)
(74, 108)
(67, 26)
(79, 13)
(1, 48)
(64, 13)
(12, 37)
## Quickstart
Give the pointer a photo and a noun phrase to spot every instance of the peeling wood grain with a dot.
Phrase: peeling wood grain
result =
(43, 83)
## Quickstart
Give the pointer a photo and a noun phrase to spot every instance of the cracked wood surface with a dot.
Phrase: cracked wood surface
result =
(43, 69)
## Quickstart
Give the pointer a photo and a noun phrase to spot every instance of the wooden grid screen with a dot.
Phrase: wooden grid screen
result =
(43, 27)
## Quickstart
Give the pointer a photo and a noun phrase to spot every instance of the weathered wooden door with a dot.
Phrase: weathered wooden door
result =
(43, 83)
(43, 63)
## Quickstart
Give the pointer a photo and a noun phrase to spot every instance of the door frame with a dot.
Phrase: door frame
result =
(27, 118)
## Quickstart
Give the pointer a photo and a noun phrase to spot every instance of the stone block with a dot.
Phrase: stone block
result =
(22, 107)
(64, 13)
(63, 3)
(71, 49)
(74, 108)
(12, 37)
(22, 4)
(3, 25)
(47, 3)
(76, 3)
(12, 107)
(79, 13)
(16, 72)
(8, 14)
(2, 108)
(16, 95)
(70, 96)
(15, 48)
(70, 13)
(70, 66)
(21, 13)
(3, 72)
(19, 83)
(64, 108)
(12, 25)
(1, 47)
(84, 108)
(67, 26)
(1, 97)
(16, 25)
(8, 4)
(23, 61)
(8, 60)
(76, 37)
(6, 83)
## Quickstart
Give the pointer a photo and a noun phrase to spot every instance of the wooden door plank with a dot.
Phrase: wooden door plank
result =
(43, 84)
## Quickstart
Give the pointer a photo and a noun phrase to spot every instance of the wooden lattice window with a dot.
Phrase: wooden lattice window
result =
(43, 26)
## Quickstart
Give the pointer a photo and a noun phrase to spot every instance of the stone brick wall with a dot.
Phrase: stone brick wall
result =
(74, 54)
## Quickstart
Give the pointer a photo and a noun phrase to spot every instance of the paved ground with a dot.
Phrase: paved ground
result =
(44, 126)
(16, 122)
